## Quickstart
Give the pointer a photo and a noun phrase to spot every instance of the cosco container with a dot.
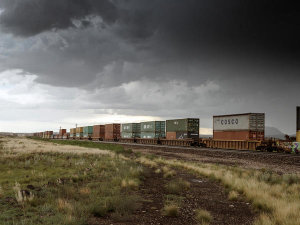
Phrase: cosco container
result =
(239, 135)
(186, 125)
(112, 131)
(248, 126)
(99, 132)
(87, 131)
(248, 121)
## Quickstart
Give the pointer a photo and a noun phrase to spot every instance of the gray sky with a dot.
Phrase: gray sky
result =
(100, 61)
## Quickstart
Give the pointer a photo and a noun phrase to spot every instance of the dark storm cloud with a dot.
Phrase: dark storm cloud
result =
(30, 17)
(263, 25)
(249, 49)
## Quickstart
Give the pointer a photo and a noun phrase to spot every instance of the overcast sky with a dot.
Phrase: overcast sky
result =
(99, 61)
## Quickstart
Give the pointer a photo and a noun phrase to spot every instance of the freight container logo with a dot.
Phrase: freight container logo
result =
(230, 121)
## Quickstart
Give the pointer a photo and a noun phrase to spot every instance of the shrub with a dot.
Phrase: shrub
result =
(203, 216)
(177, 186)
(171, 210)
(233, 195)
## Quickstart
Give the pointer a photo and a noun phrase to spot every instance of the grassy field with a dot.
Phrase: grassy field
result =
(58, 188)
(65, 188)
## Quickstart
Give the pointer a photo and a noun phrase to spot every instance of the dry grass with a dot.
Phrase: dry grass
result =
(171, 210)
(147, 162)
(233, 195)
(85, 191)
(168, 173)
(129, 184)
(64, 206)
(203, 217)
(177, 186)
(275, 197)
(11, 147)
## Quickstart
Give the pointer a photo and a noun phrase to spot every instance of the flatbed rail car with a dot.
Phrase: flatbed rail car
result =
(156, 141)
(231, 144)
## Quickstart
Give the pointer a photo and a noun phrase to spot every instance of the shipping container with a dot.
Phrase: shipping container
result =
(186, 125)
(298, 136)
(87, 131)
(98, 132)
(239, 135)
(130, 135)
(183, 129)
(112, 131)
(79, 130)
(62, 132)
(153, 126)
(182, 135)
(247, 126)
(152, 135)
(131, 127)
(247, 121)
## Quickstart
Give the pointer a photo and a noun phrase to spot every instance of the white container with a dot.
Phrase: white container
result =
(235, 122)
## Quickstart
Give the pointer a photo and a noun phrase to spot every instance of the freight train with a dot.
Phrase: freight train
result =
(235, 131)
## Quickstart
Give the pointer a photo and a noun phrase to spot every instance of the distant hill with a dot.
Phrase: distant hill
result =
(274, 132)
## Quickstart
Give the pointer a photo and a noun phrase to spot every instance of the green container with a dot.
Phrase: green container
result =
(130, 135)
(152, 135)
(153, 126)
(88, 130)
(185, 125)
(131, 128)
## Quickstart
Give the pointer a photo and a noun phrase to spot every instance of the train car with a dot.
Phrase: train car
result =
(87, 132)
(112, 132)
(131, 130)
(98, 132)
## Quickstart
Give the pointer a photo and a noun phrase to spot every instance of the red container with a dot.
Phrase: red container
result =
(171, 135)
(239, 135)
(181, 135)
(112, 131)
(62, 132)
(99, 132)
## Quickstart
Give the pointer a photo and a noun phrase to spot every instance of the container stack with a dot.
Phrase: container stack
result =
(98, 132)
(131, 130)
(73, 133)
(183, 129)
(298, 124)
(62, 132)
(79, 132)
(112, 131)
(153, 129)
(87, 132)
(247, 126)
